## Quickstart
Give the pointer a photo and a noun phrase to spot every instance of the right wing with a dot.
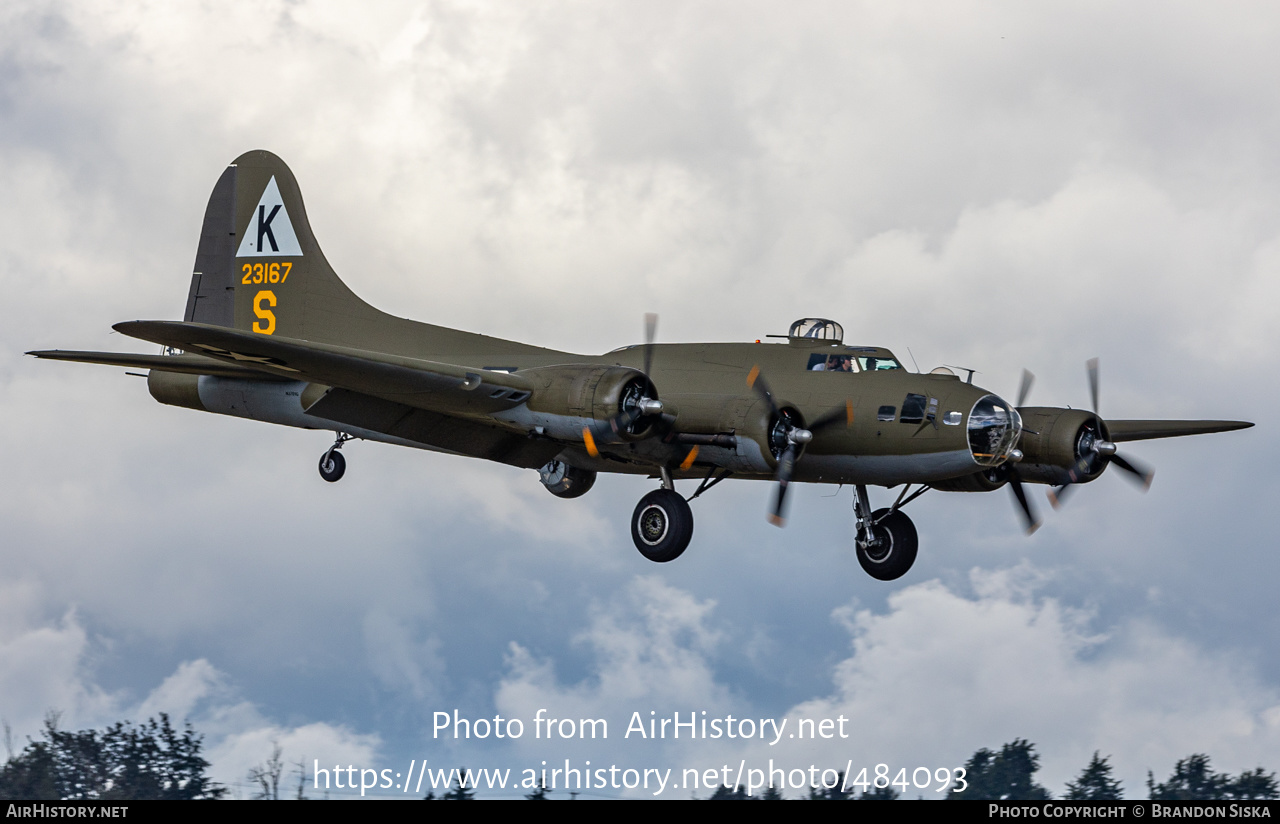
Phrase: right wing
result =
(422, 384)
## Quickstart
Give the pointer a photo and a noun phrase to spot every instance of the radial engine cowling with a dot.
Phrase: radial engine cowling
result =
(763, 435)
(1055, 440)
(598, 393)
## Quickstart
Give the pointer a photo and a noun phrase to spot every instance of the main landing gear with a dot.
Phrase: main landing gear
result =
(332, 464)
(662, 525)
(886, 540)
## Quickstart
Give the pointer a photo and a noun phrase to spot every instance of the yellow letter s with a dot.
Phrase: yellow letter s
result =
(266, 324)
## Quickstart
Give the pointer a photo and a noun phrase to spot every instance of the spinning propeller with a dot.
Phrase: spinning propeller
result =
(1030, 521)
(787, 438)
(635, 402)
(1096, 453)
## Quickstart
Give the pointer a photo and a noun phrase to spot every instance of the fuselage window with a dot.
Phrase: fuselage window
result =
(953, 418)
(886, 413)
(913, 409)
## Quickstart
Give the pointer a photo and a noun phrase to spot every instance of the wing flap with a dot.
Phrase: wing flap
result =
(423, 384)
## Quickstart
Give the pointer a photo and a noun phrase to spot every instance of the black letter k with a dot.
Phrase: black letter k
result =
(264, 227)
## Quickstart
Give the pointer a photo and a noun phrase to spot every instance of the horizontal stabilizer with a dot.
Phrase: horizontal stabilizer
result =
(1146, 430)
(186, 364)
(423, 384)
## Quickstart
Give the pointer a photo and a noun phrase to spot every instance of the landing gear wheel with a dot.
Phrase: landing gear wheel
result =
(894, 549)
(332, 465)
(662, 525)
(566, 481)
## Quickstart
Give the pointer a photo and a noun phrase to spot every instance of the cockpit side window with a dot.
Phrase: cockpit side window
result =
(877, 364)
(819, 362)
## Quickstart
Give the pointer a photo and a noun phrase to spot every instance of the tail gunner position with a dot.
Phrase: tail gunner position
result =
(271, 333)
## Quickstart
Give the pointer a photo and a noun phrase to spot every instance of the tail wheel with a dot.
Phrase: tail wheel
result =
(662, 525)
(332, 465)
(893, 551)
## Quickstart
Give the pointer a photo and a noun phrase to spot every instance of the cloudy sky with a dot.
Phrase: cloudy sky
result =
(998, 185)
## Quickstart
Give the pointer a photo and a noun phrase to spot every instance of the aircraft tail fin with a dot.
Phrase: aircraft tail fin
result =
(258, 266)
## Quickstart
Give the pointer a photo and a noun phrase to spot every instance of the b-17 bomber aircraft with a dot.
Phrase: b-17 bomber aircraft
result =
(270, 333)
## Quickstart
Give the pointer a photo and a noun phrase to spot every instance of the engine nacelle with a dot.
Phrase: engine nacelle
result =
(765, 432)
(1061, 438)
(597, 394)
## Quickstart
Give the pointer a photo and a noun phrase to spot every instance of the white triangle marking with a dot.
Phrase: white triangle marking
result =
(270, 232)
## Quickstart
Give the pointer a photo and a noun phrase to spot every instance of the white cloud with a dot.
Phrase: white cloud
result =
(932, 678)
(42, 666)
(939, 675)
(318, 746)
(178, 695)
(650, 649)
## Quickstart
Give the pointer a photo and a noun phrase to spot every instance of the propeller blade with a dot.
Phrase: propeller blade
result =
(787, 460)
(626, 418)
(786, 464)
(1058, 495)
(1092, 366)
(1143, 474)
(839, 415)
(650, 332)
(1024, 388)
(623, 420)
(1101, 454)
(1081, 469)
(1030, 522)
(756, 381)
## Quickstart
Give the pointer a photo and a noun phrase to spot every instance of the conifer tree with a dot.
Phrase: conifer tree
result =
(1006, 775)
(1095, 782)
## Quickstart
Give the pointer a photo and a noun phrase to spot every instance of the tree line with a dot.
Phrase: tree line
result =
(155, 760)
(122, 762)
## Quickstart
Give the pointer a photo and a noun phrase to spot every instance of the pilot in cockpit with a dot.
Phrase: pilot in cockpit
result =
(833, 363)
